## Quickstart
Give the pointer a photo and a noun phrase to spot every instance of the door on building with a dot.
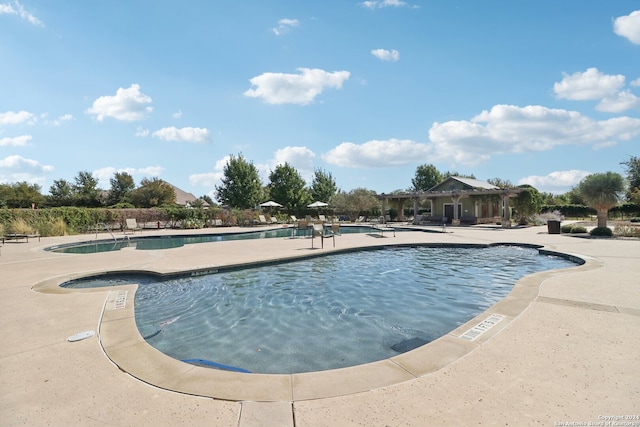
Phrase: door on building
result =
(448, 211)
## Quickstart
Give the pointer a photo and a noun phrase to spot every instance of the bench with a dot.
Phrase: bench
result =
(432, 220)
(18, 236)
(468, 220)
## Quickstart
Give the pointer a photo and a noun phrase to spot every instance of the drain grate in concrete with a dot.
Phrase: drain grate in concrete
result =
(121, 300)
(482, 327)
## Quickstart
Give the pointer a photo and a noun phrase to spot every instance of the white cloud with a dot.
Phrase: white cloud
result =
(186, 134)
(379, 4)
(17, 9)
(210, 179)
(60, 120)
(128, 105)
(13, 118)
(301, 89)
(177, 114)
(17, 169)
(622, 101)
(628, 26)
(386, 55)
(142, 132)
(284, 25)
(16, 141)
(635, 83)
(300, 158)
(554, 182)
(511, 129)
(392, 152)
(594, 85)
(591, 84)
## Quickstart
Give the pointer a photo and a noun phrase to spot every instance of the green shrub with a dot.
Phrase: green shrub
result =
(566, 228)
(602, 231)
(578, 229)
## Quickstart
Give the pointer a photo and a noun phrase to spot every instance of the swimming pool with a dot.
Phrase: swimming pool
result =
(176, 241)
(326, 312)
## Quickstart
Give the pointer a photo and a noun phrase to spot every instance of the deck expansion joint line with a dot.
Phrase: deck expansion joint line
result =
(579, 304)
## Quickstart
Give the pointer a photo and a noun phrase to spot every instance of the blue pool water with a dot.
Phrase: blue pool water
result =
(326, 312)
(176, 241)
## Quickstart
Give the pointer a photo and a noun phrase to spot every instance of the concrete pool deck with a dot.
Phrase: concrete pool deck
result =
(567, 349)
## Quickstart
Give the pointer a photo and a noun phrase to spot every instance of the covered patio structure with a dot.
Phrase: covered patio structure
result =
(456, 201)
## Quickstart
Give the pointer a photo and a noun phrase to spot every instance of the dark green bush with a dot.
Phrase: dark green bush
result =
(566, 228)
(578, 229)
(602, 231)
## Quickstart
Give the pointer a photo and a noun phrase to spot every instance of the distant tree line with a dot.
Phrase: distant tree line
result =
(241, 188)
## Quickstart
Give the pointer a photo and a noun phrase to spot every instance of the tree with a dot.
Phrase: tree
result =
(60, 193)
(323, 186)
(601, 191)
(288, 188)
(501, 183)
(633, 175)
(359, 201)
(448, 174)
(527, 203)
(426, 177)
(241, 186)
(20, 195)
(152, 193)
(122, 185)
(85, 190)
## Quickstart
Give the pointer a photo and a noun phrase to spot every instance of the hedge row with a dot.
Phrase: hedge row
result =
(73, 220)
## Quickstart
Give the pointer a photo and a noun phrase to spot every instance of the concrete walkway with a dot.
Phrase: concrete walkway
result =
(567, 351)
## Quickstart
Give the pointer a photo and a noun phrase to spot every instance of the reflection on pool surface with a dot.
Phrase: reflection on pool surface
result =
(326, 312)
(176, 241)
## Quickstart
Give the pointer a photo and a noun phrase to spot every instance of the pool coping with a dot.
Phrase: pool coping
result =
(125, 347)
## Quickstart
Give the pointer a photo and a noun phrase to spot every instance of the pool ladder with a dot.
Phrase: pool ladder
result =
(106, 227)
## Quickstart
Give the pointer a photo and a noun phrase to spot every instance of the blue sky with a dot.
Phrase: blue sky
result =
(536, 92)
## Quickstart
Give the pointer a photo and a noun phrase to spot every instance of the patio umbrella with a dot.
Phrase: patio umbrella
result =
(270, 204)
(317, 205)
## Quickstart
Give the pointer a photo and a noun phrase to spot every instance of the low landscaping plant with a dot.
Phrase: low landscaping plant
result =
(20, 226)
(624, 229)
(602, 232)
(578, 229)
(53, 227)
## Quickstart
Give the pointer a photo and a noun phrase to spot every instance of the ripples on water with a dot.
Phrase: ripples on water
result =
(331, 311)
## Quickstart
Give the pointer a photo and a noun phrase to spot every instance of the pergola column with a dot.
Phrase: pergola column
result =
(456, 201)
(415, 210)
(506, 213)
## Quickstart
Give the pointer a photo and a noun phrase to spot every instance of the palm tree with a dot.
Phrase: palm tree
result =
(601, 191)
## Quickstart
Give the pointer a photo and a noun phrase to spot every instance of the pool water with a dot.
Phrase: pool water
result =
(175, 241)
(326, 312)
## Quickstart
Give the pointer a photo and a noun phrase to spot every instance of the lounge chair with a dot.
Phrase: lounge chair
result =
(131, 225)
(318, 231)
(18, 236)
(294, 219)
(322, 218)
(274, 220)
(262, 220)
